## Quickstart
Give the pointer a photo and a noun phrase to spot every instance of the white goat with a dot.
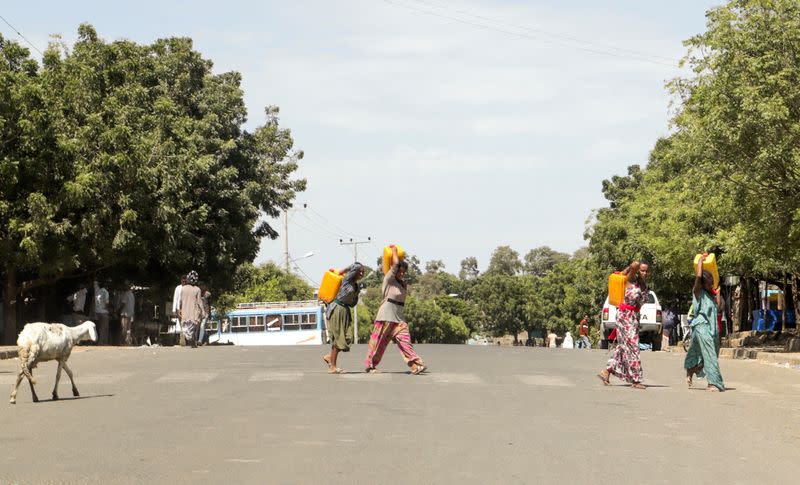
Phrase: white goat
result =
(40, 342)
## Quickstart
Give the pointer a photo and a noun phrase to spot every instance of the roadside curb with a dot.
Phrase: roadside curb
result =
(8, 353)
(779, 358)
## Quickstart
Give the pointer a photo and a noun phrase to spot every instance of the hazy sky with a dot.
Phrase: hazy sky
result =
(450, 127)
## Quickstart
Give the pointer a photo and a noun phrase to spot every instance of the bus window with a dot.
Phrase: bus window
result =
(274, 323)
(257, 323)
(291, 322)
(308, 321)
(238, 324)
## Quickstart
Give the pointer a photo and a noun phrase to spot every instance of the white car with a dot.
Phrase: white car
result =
(650, 326)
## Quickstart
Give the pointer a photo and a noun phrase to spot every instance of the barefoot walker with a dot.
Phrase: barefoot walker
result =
(625, 363)
(390, 322)
(340, 316)
(701, 358)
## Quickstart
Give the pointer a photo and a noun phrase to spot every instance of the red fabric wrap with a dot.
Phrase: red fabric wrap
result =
(624, 306)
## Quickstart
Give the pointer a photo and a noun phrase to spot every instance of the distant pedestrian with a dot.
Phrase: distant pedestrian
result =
(390, 324)
(77, 302)
(127, 313)
(551, 340)
(340, 317)
(568, 343)
(625, 362)
(701, 358)
(176, 305)
(100, 307)
(191, 311)
(583, 334)
(205, 295)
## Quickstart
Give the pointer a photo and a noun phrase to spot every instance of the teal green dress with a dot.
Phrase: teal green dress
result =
(704, 348)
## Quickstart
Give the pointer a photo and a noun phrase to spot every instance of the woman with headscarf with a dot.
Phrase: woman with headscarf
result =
(701, 358)
(191, 311)
(390, 324)
(625, 362)
(340, 316)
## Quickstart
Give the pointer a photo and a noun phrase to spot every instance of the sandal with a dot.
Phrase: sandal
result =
(335, 370)
(372, 370)
(419, 369)
(605, 378)
(638, 385)
(713, 388)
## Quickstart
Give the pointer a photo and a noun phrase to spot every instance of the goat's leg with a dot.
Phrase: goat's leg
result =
(33, 391)
(69, 373)
(58, 378)
(13, 399)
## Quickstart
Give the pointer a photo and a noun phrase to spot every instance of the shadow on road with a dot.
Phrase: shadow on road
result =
(74, 398)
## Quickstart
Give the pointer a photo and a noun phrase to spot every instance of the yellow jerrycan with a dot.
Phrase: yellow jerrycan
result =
(616, 288)
(387, 257)
(331, 281)
(710, 265)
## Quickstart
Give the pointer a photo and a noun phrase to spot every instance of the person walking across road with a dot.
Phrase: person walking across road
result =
(583, 334)
(191, 311)
(390, 324)
(176, 306)
(625, 362)
(701, 358)
(340, 317)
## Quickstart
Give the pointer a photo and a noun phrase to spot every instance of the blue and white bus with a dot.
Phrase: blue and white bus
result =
(271, 323)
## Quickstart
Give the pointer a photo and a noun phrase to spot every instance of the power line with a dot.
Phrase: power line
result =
(342, 232)
(531, 37)
(20, 34)
(442, 5)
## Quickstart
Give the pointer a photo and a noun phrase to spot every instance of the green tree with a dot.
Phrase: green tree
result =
(541, 260)
(136, 159)
(469, 269)
(504, 261)
(434, 266)
(266, 282)
(502, 300)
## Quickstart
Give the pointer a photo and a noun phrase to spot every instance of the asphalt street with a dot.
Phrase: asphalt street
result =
(481, 415)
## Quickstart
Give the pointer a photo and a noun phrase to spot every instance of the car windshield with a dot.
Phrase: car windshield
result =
(651, 298)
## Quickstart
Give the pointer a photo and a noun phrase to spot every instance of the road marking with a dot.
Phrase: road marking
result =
(546, 381)
(244, 460)
(456, 378)
(363, 376)
(276, 376)
(187, 377)
(104, 378)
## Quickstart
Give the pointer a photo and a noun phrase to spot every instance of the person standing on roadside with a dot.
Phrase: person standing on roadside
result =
(625, 362)
(551, 340)
(701, 358)
(100, 309)
(126, 310)
(176, 305)
(583, 334)
(205, 295)
(77, 302)
(191, 311)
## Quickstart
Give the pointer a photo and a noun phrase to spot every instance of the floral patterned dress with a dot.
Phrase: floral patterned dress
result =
(625, 363)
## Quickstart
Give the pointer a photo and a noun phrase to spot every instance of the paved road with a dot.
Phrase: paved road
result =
(482, 415)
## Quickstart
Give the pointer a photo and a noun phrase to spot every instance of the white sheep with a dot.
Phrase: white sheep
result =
(40, 342)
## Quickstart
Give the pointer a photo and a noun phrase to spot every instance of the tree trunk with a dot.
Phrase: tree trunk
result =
(9, 307)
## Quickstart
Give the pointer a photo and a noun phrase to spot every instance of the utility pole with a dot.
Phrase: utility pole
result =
(355, 244)
(286, 260)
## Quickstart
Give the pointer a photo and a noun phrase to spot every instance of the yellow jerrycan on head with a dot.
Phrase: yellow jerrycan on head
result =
(387, 257)
(331, 281)
(710, 265)
(616, 288)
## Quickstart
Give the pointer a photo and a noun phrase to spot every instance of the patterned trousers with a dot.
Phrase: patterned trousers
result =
(396, 332)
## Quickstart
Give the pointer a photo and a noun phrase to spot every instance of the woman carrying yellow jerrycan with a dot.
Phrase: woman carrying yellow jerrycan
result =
(390, 324)
(701, 358)
(340, 317)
